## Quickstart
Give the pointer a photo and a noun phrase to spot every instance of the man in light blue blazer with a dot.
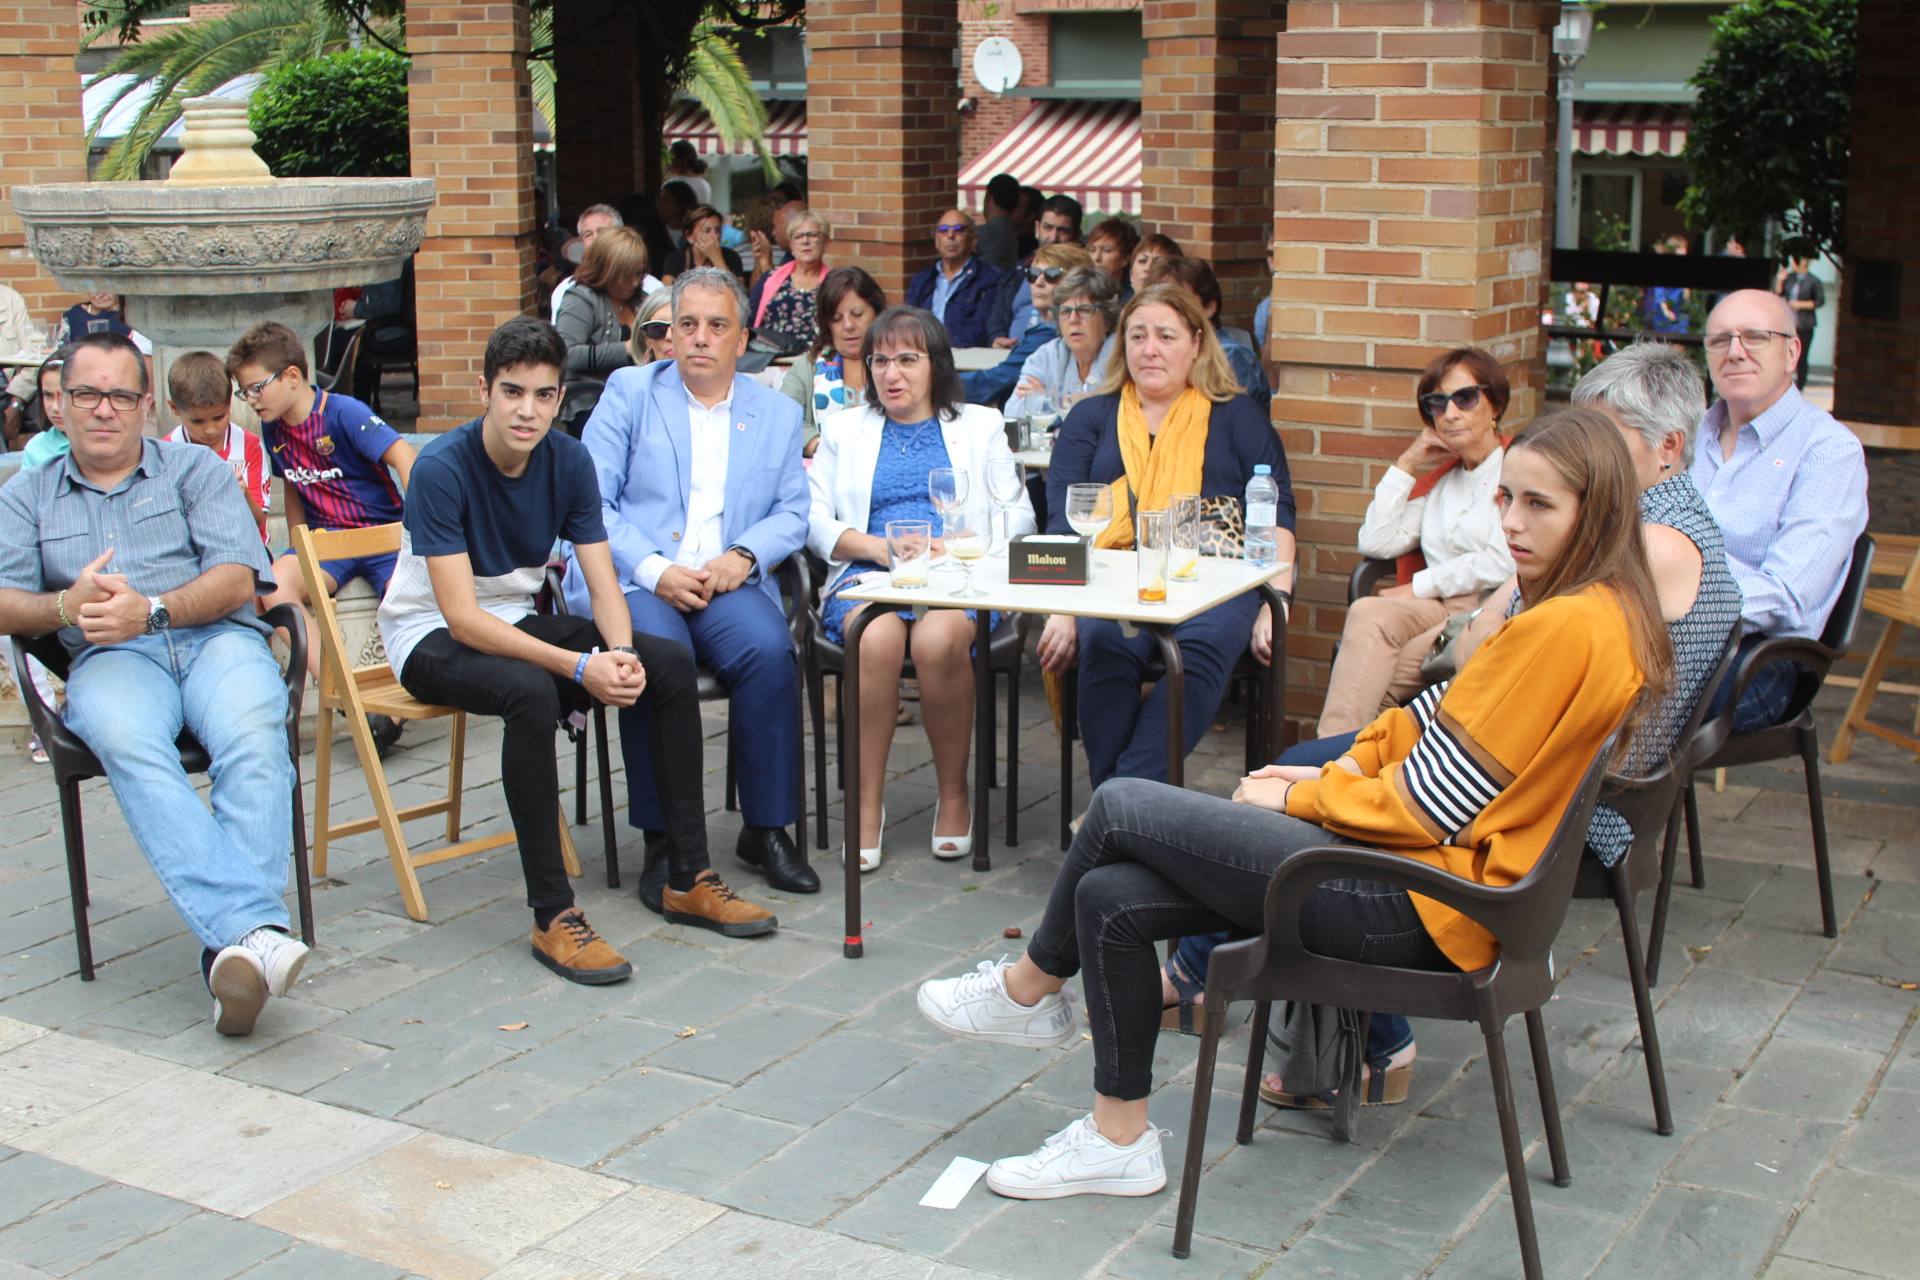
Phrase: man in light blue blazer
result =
(704, 494)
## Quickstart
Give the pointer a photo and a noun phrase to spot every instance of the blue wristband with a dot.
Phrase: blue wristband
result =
(580, 667)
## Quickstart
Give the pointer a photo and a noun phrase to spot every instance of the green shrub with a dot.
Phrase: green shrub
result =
(343, 115)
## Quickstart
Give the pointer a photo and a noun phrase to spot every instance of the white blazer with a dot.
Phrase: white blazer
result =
(842, 473)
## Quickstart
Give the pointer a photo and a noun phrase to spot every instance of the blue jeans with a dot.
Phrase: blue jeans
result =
(225, 870)
(1765, 702)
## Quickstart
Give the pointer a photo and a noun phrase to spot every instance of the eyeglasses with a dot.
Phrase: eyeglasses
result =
(951, 228)
(1750, 339)
(1050, 274)
(253, 392)
(1076, 311)
(905, 362)
(797, 236)
(1434, 403)
(90, 398)
(655, 330)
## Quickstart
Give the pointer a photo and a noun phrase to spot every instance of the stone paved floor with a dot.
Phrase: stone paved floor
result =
(431, 1102)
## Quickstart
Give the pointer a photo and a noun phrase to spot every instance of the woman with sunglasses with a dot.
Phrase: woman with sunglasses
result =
(1050, 265)
(1434, 512)
(871, 469)
(597, 318)
(831, 377)
(652, 338)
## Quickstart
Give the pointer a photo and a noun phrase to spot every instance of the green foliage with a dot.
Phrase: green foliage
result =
(342, 115)
(1769, 138)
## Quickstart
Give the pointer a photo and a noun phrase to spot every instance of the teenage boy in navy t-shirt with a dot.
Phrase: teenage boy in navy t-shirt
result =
(486, 504)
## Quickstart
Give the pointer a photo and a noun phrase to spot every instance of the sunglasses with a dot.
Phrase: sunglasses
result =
(655, 330)
(1050, 274)
(1434, 403)
(950, 228)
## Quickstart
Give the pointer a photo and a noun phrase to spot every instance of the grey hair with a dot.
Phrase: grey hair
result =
(809, 216)
(1651, 387)
(719, 280)
(1094, 285)
(604, 211)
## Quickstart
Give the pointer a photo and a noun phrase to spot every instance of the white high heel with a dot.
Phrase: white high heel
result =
(870, 858)
(961, 846)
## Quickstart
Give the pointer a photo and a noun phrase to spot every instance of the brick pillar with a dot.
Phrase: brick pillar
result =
(1876, 375)
(1411, 150)
(597, 147)
(471, 112)
(882, 132)
(46, 138)
(1205, 171)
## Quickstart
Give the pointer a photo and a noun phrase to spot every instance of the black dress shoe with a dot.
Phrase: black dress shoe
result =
(653, 872)
(772, 850)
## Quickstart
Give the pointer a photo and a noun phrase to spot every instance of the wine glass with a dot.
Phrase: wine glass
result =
(947, 489)
(967, 541)
(1090, 510)
(1006, 481)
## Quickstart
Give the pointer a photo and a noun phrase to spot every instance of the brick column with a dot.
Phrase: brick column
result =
(1876, 375)
(46, 137)
(471, 112)
(882, 131)
(1205, 170)
(1411, 146)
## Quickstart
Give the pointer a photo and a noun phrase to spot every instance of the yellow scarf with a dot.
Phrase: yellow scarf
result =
(1157, 466)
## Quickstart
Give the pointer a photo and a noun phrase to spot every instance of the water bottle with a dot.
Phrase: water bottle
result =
(1263, 519)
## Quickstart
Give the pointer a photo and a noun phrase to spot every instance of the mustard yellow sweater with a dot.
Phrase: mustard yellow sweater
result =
(1473, 776)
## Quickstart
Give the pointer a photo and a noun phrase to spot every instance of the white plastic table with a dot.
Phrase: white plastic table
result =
(1034, 459)
(1112, 594)
(974, 359)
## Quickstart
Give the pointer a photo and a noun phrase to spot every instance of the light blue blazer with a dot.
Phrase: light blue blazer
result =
(641, 442)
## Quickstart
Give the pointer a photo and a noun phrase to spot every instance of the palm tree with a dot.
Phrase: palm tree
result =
(256, 36)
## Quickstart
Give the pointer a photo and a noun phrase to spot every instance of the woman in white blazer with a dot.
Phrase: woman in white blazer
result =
(870, 469)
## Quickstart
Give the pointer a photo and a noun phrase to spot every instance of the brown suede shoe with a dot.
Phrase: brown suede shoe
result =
(571, 948)
(710, 904)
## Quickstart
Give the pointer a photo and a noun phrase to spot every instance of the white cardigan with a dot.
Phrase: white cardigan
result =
(1456, 527)
(842, 473)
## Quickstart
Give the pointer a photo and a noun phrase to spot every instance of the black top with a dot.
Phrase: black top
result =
(1239, 437)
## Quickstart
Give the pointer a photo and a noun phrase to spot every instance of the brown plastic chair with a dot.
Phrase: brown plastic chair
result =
(1524, 918)
(73, 762)
(1720, 747)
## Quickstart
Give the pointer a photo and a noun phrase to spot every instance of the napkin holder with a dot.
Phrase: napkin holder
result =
(1052, 559)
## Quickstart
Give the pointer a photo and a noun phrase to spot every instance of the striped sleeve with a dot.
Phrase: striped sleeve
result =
(1447, 779)
(1423, 707)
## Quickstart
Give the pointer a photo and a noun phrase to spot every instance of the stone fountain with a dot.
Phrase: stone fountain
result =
(222, 244)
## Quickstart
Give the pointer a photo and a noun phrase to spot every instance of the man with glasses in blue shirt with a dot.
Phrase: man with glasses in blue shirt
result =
(143, 556)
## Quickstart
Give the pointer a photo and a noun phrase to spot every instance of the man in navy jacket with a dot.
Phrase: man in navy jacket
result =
(958, 288)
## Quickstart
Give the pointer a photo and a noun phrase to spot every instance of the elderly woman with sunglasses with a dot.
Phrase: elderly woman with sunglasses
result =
(1050, 265)
(1086, 306)
(1435, 505)
(652, 337)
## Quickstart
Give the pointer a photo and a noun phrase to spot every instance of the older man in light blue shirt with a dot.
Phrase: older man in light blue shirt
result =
(1785, 480)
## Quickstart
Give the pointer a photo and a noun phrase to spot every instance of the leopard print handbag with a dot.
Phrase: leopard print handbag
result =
(1222, 529)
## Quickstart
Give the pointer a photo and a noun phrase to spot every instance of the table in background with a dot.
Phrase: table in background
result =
(974, 359)
(1112, 594)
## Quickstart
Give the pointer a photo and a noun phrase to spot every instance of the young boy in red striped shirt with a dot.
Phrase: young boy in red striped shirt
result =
(201, 394)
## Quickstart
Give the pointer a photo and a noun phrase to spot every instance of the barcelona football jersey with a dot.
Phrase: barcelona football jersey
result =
(332, 460)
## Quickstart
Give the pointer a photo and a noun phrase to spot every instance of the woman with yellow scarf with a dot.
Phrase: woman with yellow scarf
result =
(1170, 419)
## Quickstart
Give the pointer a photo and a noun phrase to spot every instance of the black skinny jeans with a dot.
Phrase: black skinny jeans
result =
(1153, 862)
(532, 701)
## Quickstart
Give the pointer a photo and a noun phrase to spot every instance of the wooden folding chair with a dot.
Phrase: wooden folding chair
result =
(358, 692)
(1900, 606)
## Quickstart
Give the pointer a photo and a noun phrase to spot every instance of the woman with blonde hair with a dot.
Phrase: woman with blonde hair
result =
(596, 319)
(652, 328)
(783, 301)
(1169, 420)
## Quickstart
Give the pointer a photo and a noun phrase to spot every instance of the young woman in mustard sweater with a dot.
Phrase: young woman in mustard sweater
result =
(1473, 783)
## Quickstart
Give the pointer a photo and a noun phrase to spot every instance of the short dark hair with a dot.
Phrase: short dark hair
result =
(109, 341)
(1486, 373)
(919, 329)
(682, 192)
(1121, 232)
(198, 380)
(1034, 197)
(1003, 191)
(524, 340)
(1194, 275)
(269, 344)
(1066, 207)
(787, 192)
(840, 282)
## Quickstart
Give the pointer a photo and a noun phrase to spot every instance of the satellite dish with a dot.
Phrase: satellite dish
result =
(996, 64)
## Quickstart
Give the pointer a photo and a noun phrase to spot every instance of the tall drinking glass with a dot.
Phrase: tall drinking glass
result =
(947, 489)
(1006, 481)
(1090, 510)
(1150, 529)
(909, 552)
(1183, 515)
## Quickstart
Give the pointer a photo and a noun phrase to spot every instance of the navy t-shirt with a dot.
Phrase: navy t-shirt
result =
(459, 502)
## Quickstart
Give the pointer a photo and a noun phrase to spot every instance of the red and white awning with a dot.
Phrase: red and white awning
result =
(1089, 150)
(786, 130)
(1629, 129)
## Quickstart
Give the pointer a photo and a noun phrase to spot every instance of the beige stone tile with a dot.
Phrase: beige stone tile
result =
(51, 1077)
(227, 1146)
(14, 1033)
(545, 1264)
(442, 1208)
(634, 1228)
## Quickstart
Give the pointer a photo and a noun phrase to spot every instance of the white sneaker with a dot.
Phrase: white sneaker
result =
(280, 956)
(1077, 1161)
(976, 1005)
(239, 991)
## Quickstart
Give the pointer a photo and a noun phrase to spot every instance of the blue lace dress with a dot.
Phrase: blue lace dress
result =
(908, 451)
